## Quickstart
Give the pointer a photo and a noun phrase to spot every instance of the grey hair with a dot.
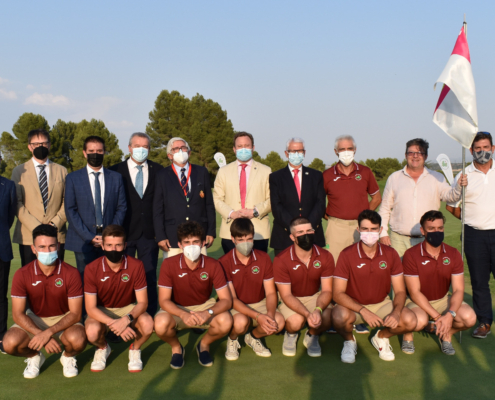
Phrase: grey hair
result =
(141, 135)
(293, 140)
(344, 137)
(171, 143)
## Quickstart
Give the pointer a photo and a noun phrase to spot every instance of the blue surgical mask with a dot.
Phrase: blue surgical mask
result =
(140, 154)
(296, 158)
(244, 154)
(47, 258)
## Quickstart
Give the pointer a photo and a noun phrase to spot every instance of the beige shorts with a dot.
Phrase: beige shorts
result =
(179, 324)
(440, 305)
(258, 307)
(115, 313)
(309, 302)
(340, 234)
(381, 309)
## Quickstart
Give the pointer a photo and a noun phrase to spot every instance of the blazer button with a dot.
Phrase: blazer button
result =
(300, 209)
(187, 218)
(188, 206)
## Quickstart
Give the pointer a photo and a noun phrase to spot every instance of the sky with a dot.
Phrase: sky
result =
(312, 69)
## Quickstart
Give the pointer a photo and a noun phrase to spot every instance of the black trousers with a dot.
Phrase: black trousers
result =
(261, 244)
(4, 302)
(147, 252)
(28, 256)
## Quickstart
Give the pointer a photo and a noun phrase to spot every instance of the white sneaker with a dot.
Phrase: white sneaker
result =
(383, 347)
(290, 343)
(257, 346)
(70, 366)
(312, 343)
(100, 361)
(34, 365)
(232, 352)
(135, 363)
(349, 351)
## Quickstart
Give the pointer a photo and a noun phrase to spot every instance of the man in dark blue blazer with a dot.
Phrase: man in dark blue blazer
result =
(94, 199)
(182, 193)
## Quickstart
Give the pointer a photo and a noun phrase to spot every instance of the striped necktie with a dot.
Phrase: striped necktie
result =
(43, 182)
(139, 181)
(183, 182)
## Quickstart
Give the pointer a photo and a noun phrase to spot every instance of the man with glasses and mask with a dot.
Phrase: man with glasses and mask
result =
(296, 191)
(479, 228)
(303, 275)
(411, 192)
(249, 275)
(40, 186)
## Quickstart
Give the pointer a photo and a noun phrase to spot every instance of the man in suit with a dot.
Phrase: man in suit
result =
(242, 191)
(296, 191)
(94, 198)
(139, 176)
(40, 186)
(183, 194)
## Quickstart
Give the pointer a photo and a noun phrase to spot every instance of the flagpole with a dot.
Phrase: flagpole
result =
(463, 209)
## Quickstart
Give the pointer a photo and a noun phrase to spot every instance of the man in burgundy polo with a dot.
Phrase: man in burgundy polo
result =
(430, 268)
(250, 278)
(299, 272)
(115, 293)
(364, 274)
(185, 286)
(46, 308)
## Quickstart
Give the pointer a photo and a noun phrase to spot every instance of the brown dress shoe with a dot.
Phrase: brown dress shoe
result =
(482, 331)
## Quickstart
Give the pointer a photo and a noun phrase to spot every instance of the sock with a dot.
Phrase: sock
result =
(254, 337)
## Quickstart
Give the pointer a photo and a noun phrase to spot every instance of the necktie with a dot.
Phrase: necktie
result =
(98, 213)
(298, 185)
(139, 181)
(43, 182)
(243, 185)
(183, 182)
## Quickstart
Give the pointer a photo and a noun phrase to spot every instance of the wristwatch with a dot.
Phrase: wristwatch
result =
(131, 318)
(256, 214)
(453, 313)
(210, 311)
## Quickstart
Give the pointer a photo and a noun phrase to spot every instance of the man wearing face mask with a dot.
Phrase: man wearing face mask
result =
(363, 277)
(139, 175)
(303, 275)
(479, 228)
(40, 186)
(430, 268)
(296, 191)
(249, 275)
(183, 193)
(116, 299)
(242, 190)
(46, 308)
(184, 291)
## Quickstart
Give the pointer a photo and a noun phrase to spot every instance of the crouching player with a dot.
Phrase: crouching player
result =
(250, 279)
(116, 299)
(51, 290)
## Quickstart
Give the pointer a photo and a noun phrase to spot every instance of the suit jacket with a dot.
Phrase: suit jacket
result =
(139, 216)
(286, 204)
(30, 210)
(80, 207)
(170, 207)
(227, 197)
(8, 208)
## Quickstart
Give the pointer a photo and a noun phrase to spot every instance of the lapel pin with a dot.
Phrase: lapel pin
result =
(307, 173)
(201, 194)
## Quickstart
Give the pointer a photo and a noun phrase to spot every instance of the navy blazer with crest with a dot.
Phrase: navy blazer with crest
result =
(8, 210)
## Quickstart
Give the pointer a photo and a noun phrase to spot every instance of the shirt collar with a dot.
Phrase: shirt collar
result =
(133, 164)
(425, 171)
(293, 252)
(178, 169)
(291, 169)
(472, 168)
(202, 261)
(249, 163)
(424, 253)
(125, 263)
(361, 252)
(37, 271)
(36, 163)
(252, 256)
(91, 170)
(336, 171)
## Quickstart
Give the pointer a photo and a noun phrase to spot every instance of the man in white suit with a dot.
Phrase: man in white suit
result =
(242, 191)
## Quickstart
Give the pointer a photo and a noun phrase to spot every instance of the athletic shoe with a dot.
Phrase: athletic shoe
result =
(2, 350)
(232, 352)
(447, 348)
(332, 330)
(361, 328)
(256, 345)
(349, 351)
(177, 361)
(482, 331)
(289, 346)
(408, 347)
(34, 365)
(311, 342)
(204, 357)
(70, 366)
(135, 363)
(100, 361)
(383, 347)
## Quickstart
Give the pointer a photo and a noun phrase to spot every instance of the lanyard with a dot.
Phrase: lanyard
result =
(187, 180)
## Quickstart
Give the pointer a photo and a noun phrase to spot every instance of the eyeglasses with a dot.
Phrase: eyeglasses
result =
(44, 144)
(415, 154)
(183, 148)
(296, 151)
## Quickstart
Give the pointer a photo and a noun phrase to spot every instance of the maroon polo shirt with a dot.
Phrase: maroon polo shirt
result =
(368, 280)
(435, 276)
(114, 289)
(48, 296)
(348, 195)
(305, 281)
(191, 288)
(248, 279)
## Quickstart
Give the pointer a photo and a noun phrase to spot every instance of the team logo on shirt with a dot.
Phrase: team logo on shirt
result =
(382, 265)
(358, 177)
(446, 261)
(125, 278)
(255, 270)
(203, 276)
(317, 264)
(59, 282)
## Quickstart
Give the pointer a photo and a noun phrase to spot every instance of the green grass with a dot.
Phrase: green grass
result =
(426, 374)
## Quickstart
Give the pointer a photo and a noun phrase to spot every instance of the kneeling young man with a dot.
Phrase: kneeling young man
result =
(299, 272)
(116, 298)
(250, 279)
(430, 268)
(184, 293)
(361, 286)
(52, 293)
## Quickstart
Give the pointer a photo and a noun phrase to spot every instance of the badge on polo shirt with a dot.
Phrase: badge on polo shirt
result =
(125, 277)
(59, 282)
(317, 264)
(255, 270)
(382, 265)
(446, 261)
(203, 276)
(358, 177)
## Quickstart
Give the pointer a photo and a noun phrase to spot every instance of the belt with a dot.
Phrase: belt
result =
(411, 236)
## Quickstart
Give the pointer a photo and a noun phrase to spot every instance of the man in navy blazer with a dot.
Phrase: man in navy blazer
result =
(94, 199)
(182, 194)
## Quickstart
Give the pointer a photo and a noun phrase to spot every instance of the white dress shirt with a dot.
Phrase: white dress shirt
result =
(133, 171)
(299, 174)
(38, 170)
(179, 173)
(101, 178)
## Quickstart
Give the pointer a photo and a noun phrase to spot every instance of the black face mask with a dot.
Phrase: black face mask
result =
(95, 159)
(40, 152)
(114, 256)
(434, 238)
(306, 241)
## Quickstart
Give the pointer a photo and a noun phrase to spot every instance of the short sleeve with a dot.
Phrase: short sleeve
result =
(342, 268)
(219, 281)
(372, 184)
(328, 267)
(226, 269)
(458, 265)
(396, 263)
(18, 285)
(268, 270)
(89, 280)
(410, 267)
(74, 287)
(280, 271)
(326, 181)
(164, 279)
(140, 278)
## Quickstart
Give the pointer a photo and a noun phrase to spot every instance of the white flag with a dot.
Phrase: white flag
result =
(444, 161)
(220, 159)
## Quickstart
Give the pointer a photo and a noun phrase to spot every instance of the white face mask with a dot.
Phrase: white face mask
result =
(181, 157)
(192, 252)
(346, 157)
(369, 238)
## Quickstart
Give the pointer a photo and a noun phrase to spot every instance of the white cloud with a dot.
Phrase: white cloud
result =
(30, 87)
(3, 80)
(47, 99)
(9, 95)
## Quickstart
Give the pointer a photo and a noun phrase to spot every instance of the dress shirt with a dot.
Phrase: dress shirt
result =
(133, 171)
(101, 178)
(38, 170)
(179, 172)
(299, 175)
